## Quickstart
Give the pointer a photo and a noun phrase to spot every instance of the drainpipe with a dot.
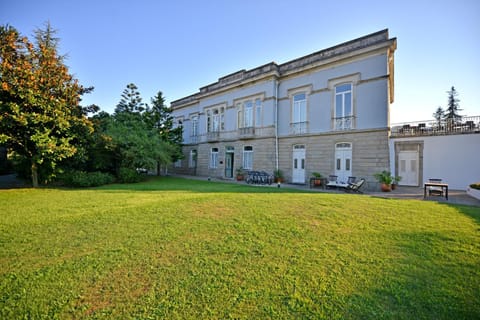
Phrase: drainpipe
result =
(277, 84)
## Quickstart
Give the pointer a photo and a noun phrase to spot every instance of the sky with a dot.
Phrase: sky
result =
(179, 46)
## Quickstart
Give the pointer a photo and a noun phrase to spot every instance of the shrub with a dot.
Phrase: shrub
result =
(475, 186)
(127, 175)
(84, 179)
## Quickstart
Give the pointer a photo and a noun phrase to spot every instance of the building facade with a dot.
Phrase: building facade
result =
(447, 150)
(326, 112)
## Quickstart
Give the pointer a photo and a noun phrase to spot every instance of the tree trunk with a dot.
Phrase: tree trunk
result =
(34, 174)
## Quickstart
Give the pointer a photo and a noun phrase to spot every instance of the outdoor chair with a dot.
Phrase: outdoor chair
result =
(351, 180)
(355, 187)
(432, 190)
(332, 181)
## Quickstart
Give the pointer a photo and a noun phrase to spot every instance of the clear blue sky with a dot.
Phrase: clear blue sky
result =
(179, 46)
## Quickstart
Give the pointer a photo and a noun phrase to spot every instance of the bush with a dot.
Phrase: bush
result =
(475, 186)
(127, 175)
(84, 179)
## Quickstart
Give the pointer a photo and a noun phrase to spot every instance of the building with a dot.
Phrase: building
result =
(447, 150)
(326, 112)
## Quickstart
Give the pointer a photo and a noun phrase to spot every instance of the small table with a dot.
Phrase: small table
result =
(435, 184)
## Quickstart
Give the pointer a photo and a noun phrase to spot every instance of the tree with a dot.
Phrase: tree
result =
(451, 113)
(131, 101)
(159, 116)
(39, 101)
(439, 115)
(135, 133)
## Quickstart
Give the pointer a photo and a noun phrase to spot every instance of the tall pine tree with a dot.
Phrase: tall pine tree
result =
(451, 113)
(131, 101)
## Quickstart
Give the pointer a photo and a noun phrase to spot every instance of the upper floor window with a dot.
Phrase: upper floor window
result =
(343, 107)
(249, 113)
(299, 113)
(258, 113)
(216, 119)
(213, 158)
(194, 132)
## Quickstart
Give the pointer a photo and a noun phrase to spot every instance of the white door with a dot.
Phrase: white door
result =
(343, 161)
(408, 168)
(298, 173)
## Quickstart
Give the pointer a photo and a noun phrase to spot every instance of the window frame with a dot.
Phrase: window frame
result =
(252, 117)
(247, 160)
(213, 163)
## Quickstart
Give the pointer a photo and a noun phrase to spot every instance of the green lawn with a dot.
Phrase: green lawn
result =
(184, 249)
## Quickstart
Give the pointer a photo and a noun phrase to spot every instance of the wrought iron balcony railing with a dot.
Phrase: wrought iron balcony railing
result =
(434, 127)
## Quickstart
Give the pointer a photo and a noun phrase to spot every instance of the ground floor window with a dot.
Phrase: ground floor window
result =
(178, 163)
(192, 159)
(248, 157)
(213, 158)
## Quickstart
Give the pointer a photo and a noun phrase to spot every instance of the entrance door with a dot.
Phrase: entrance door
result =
(298, 173)
(229, 156)
(408, 168)
(343, 161)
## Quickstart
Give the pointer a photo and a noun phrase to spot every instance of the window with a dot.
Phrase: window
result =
(258, 113)
(343, 106)
(248, 157)
(178, 163)
(248, 114)
(213, 158)
(194, 126)
(215, 119)
(299, 113)
(192, 160)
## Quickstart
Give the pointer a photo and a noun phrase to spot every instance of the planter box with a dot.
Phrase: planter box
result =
(473, 192)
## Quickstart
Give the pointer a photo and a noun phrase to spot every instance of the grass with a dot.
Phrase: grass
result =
(181, 249)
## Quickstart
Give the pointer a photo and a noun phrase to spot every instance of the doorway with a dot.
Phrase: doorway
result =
(298, 172)
(408, 167)
(343, 161)
(229, 159)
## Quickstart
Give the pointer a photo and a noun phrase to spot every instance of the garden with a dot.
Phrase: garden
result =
(172, 248)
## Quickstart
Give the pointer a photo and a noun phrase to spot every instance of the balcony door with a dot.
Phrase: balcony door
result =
(298, 173)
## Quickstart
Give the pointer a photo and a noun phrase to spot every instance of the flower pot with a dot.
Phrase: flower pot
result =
(385, 187)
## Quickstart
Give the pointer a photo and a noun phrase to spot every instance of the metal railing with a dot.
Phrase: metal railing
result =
(435, 127)
(299, 127)
(343, 123)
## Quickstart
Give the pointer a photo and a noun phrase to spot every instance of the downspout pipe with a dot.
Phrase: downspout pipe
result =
(277, 84)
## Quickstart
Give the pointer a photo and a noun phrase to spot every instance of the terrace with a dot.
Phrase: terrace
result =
(461, 125)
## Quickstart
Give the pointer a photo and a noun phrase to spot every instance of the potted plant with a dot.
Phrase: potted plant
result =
(395, 181)
(278, 176)
(385, 179)
(240, 174)
(317, 178)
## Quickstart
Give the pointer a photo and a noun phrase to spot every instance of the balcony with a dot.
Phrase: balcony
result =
(245, 133)
(433, 128)
(213, 136)
(343, 123)
(299, 127)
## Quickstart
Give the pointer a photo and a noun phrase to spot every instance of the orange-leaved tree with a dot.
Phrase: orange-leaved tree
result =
(39, 100)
